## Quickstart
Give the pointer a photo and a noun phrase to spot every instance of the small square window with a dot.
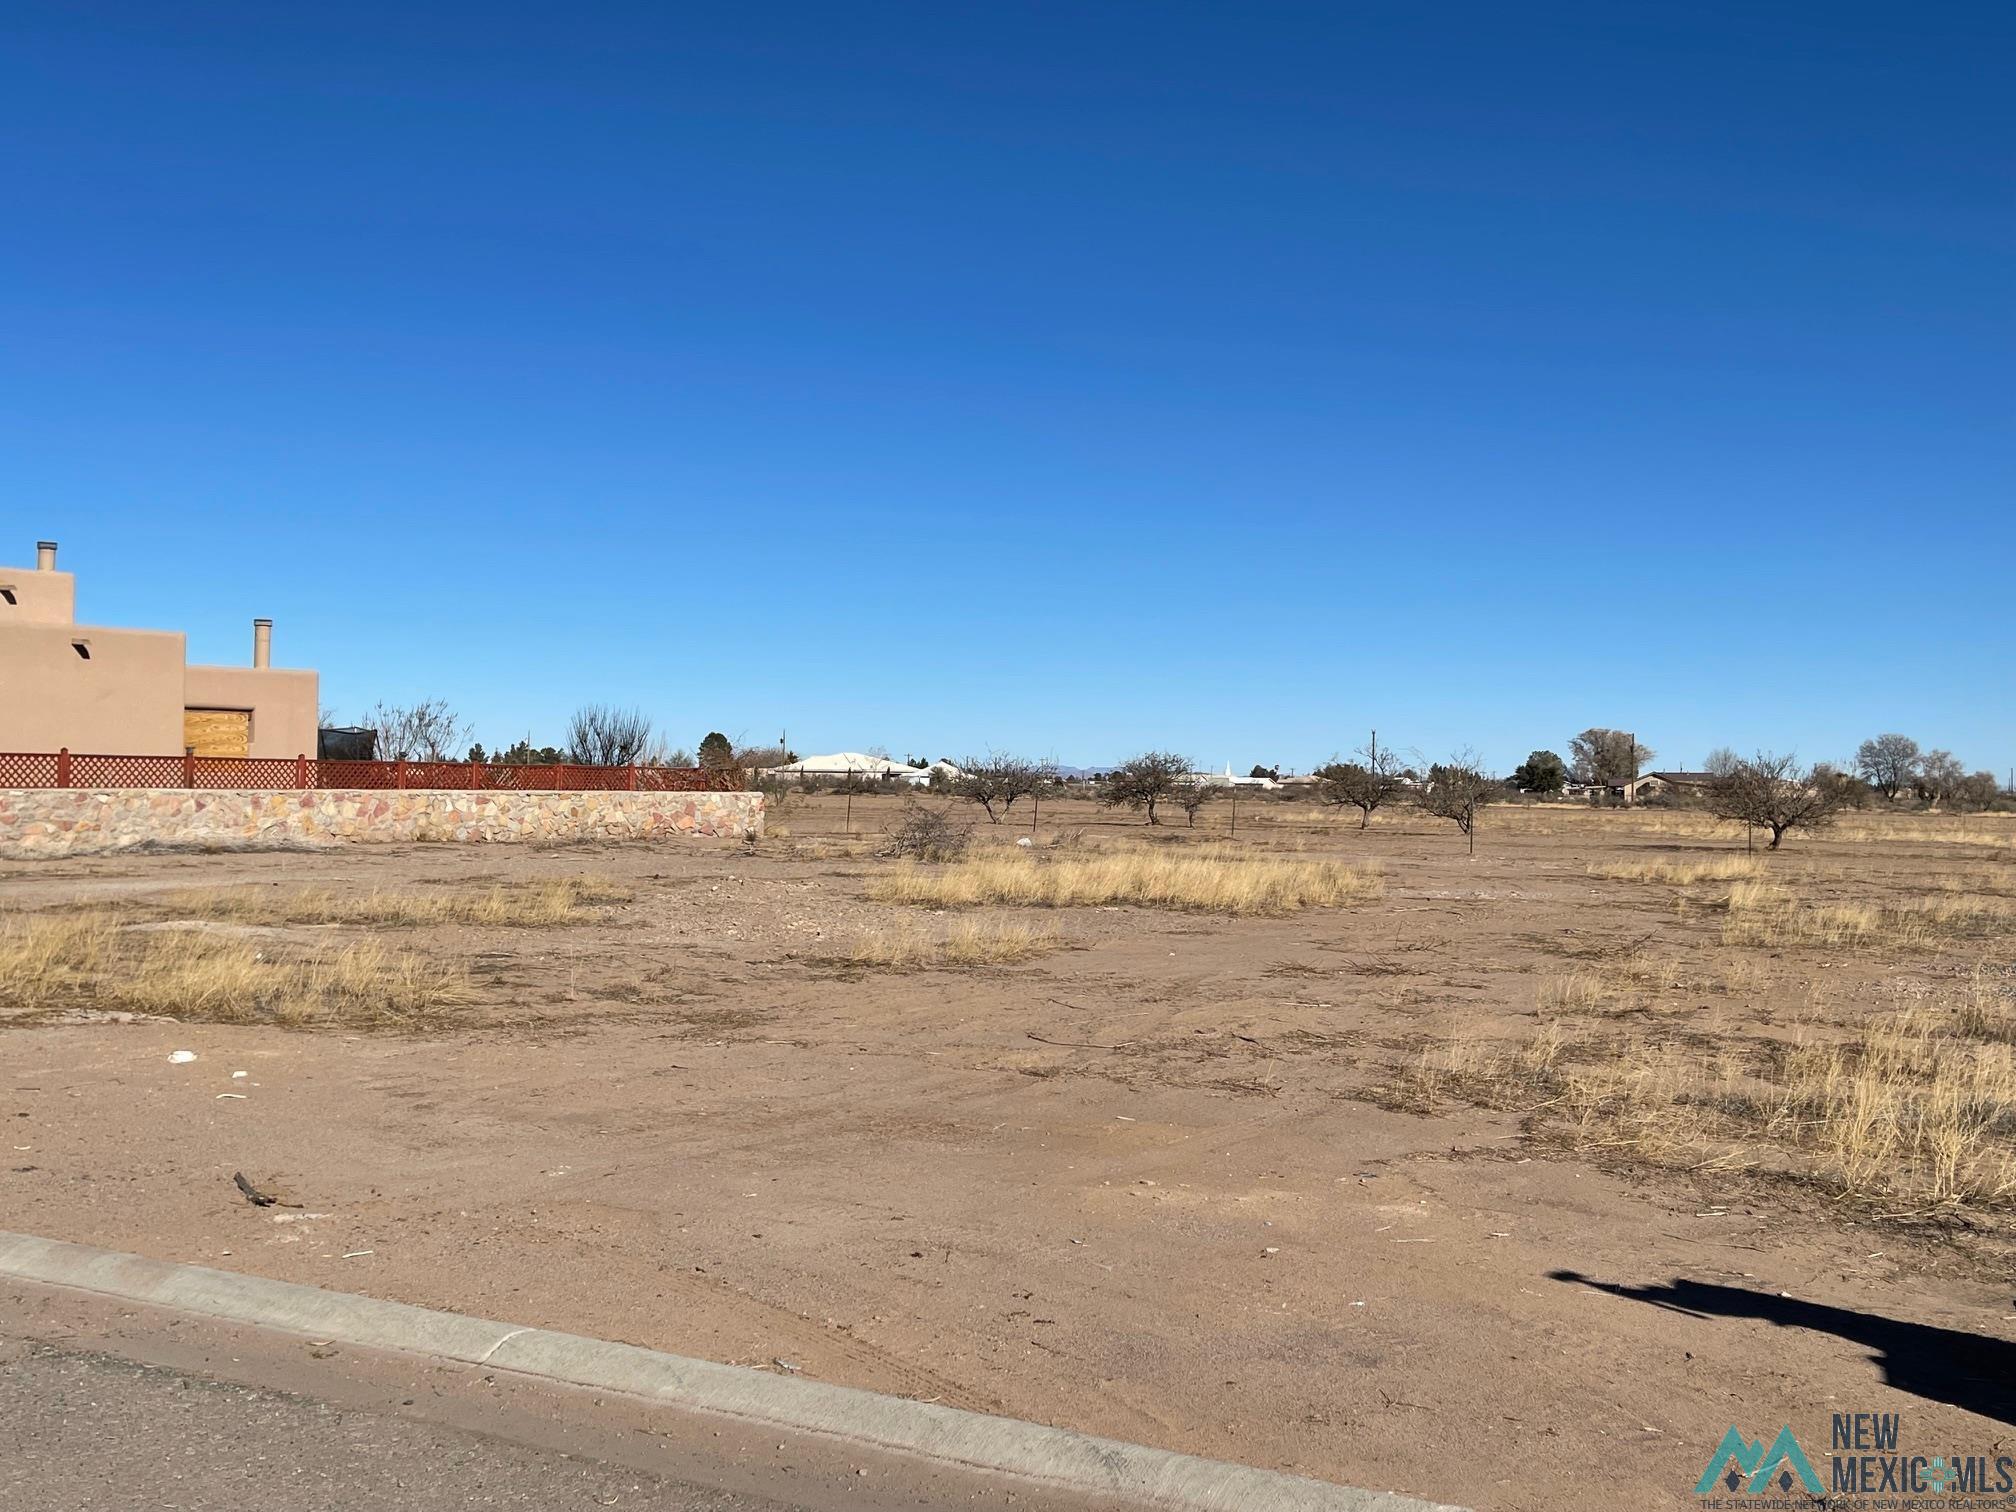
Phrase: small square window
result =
(8, 595)
(82, 648)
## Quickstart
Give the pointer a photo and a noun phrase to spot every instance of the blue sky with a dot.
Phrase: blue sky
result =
(1060, 378)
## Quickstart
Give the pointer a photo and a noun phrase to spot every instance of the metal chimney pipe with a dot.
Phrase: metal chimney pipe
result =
(45, 556)
(262, 643)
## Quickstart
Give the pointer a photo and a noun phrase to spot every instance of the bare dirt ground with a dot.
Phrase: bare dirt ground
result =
(1251, 1188)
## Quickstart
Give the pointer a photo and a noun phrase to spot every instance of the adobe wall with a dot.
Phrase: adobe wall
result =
(45, 822)
(126, 697)
(282, 701)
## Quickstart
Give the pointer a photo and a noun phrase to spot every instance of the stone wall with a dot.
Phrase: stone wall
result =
(38, 822)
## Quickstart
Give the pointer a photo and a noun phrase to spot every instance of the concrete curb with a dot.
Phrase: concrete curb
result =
(1048, 1457)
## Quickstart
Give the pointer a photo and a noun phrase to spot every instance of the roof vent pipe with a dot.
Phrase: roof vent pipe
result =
(262, 643)
(45, 556)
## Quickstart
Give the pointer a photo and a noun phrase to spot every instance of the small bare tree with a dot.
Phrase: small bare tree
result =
(1771, 791)
(1363, 783)
(925, 833)
(425, 731)
(1147, 780)
(599, 735)
(998, 778)
(1458, 791)
(1192, 793)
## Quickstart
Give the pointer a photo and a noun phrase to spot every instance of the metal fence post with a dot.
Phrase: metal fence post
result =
(63, 767)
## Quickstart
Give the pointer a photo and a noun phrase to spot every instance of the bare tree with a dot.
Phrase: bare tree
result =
(1975, 793)
(1146, 780)
(1607, 758)
(1192, 793)
(1771, 791)
(599, 735)
(759, 758)
(1458, 791)
(1365, 782)
(425, 731)
(1939, 775)
(998, 778)
(1890, 762)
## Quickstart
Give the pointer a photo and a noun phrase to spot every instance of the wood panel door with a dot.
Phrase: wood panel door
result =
(217, 732)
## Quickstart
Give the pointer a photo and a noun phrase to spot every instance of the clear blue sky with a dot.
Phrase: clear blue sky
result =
(1063, 378)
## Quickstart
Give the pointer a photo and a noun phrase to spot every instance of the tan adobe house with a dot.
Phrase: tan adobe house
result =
(103, 691)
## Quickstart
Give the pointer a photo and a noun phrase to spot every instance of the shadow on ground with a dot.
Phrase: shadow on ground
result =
(1939, 1364)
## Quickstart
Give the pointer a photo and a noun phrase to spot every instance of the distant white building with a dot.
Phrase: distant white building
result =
(1226, 779)
(844, 764)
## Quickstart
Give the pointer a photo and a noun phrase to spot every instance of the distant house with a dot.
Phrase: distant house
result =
(1664, 784)
(1227, 779)
(844, 764)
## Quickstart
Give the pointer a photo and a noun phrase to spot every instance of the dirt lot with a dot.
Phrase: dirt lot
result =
(1302, 1190)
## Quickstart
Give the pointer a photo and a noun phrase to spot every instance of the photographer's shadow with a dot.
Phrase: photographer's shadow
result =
(1939, 1364)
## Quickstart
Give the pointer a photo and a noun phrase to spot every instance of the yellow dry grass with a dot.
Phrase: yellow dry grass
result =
(1914, 1112)
(968, 943)
(1996, 831)
(1213, 879)
(87, 960)
(1765, 914)
(526, 904)
(1681, 873)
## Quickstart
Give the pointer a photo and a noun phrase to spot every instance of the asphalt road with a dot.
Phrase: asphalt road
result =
(90, 1430)
(105, 1404)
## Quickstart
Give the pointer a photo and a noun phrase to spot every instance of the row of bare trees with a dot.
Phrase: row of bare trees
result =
(1893, 765)
(597, 735)
(1144, 783)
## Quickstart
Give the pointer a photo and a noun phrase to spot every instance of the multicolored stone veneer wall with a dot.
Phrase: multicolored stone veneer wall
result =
(88, 821)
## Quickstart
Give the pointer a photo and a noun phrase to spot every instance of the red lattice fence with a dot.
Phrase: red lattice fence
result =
(68, 769)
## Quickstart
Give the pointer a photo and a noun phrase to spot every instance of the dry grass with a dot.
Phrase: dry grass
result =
(526, 904)
(87, 960)
(1681, 873)
(1764, 914)
(1995, 831)
(1213, 879)
(1914, 1113)
(968, 943)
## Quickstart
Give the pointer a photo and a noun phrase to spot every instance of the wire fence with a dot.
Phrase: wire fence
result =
(76, 769)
